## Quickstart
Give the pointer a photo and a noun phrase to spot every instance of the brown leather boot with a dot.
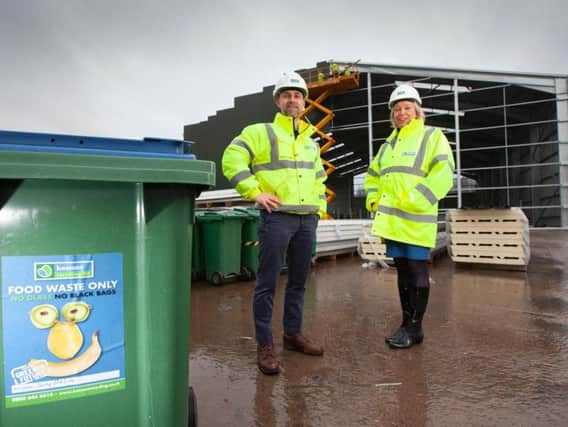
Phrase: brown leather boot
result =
(265, 359)
(298, 342)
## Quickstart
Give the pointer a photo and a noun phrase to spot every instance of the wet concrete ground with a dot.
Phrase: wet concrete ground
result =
(495, 351)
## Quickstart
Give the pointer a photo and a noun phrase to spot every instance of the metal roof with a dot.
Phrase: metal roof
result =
(536, 80)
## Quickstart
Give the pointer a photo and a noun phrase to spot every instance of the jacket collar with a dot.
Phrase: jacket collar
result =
(414, 125)
(287, 122)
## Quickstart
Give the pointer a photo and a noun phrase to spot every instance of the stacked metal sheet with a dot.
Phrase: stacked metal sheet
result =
(339, 236)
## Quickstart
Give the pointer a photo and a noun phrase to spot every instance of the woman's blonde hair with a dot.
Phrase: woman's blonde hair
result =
(419, 114)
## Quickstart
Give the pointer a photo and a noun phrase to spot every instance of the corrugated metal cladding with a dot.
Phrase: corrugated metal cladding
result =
(510, 130)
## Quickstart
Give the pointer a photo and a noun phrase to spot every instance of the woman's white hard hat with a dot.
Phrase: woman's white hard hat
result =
(404, 92)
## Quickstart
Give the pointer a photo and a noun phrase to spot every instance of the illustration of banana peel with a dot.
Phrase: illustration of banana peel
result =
(70, 367)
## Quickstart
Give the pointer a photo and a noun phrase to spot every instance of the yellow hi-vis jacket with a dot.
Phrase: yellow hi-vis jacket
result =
(267, 158)
(412, 171)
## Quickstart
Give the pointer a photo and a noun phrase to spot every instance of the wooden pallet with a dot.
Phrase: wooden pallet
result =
(371, 249)
(489, 259)
(488, 236)
(489, 246)
(488, 239)
(486, 216)
(493, 252)
(485, 228)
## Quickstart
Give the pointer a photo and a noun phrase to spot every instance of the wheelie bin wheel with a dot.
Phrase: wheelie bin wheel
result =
(216, 279)
(247, 274)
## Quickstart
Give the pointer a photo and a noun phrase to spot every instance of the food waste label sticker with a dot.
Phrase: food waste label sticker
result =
(62, 327)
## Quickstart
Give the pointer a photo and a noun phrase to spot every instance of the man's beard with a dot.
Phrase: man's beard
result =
(293, 111)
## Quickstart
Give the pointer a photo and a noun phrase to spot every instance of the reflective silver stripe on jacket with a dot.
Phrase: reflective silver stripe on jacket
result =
(323, 197)
(403, 169)
(429, 219)
(439, 158)
(241, 143)
(282, 164)
(276, 164)
(297, 208)
(371, 190)
(422, 150)
(273, 142)
(426, 192)
(372, 172)
(321, 174)
(393, 141)
(416, 169)
(383, 149)
(240, 177)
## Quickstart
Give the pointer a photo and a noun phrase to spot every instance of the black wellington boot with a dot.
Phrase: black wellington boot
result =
(404, 282)
(419, 305)
(412, 333)
(404, 296)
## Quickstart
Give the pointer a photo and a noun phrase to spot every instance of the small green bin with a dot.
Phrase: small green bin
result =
(221, 231)
(249, 241)
(106, 238)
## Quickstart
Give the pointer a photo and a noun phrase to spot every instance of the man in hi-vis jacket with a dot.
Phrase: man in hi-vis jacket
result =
(278, 165)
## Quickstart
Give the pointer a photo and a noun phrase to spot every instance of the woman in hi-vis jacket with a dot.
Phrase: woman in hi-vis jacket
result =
(412, 171)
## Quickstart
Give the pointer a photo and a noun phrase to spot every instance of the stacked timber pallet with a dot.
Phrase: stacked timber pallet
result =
(489, 236)
(371, 248)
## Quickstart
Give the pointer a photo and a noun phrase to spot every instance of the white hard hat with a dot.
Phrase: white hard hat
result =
(404, 92)
(291, 80)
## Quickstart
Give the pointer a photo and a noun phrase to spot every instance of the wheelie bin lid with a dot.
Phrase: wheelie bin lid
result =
(252, 212)
(26, 155)
(57, 143)
(219, 215)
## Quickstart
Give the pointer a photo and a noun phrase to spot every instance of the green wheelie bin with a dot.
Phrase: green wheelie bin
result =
(221, 232)
(249, 242)
(95, 259)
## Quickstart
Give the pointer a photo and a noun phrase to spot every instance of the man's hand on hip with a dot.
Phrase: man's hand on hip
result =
(268, 201)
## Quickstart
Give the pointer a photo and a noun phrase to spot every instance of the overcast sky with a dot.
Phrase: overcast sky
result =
(126, 68)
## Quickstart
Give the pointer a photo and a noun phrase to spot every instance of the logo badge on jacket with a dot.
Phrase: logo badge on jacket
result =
(409, 153)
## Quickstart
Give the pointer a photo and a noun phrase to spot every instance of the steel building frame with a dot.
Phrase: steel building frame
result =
(509, 132)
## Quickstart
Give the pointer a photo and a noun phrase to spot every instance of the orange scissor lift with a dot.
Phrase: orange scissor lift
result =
(323, 82)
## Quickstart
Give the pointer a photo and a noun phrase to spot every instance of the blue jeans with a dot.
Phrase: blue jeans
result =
(281, 234)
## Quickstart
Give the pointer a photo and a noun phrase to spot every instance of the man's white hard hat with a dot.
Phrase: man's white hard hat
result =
(290, 80)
